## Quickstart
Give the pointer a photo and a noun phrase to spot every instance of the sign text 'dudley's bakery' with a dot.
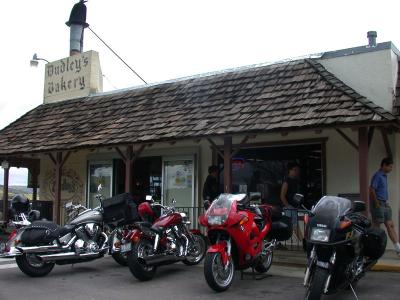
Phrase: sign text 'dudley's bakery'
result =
(59, 74)
(72, 77)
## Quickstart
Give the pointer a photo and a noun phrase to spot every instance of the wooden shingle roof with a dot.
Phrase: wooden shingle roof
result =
(284, 96)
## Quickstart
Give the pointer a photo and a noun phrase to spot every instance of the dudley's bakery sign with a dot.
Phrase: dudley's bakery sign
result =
(73, 77)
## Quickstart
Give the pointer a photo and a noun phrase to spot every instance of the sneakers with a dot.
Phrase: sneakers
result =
(397, 248)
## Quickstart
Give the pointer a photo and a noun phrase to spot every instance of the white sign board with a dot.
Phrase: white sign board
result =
(73, 77)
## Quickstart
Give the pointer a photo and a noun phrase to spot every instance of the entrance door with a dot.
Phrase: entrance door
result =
(178, 177)
(100, 172)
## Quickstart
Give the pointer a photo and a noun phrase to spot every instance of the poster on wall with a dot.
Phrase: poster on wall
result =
(180, 175)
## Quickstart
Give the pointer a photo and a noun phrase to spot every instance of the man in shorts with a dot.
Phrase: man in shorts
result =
(379, 199)
(290, 187)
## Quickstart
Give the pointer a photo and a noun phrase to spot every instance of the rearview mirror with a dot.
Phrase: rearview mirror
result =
(255, 196)
(99, 188)
(359, 206)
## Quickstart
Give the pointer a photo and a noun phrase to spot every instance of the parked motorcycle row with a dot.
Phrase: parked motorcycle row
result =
(340, 243)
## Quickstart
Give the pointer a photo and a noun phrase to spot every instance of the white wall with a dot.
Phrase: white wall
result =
(371, 74)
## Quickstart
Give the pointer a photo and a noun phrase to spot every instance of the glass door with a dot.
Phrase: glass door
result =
(178, 179)
(99, 173)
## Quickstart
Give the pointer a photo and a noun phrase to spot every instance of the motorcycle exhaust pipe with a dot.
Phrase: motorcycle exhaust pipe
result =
(159, 259)
(36, 249)
(67, 255)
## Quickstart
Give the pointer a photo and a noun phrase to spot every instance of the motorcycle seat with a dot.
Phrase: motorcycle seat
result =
(66, 229)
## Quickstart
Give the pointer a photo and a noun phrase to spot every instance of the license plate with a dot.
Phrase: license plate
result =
(126, 247)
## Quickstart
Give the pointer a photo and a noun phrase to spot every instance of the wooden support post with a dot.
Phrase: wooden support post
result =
(57, 188)
(363, 166)
(228, 164)
(35, 174)
(370, 135)
(215, 147)
(129, 169)
(5, 194)
(59, 162)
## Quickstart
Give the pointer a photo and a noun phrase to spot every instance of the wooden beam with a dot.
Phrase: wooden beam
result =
(343, 135)
(138, 152)
(238, 148)
(65, 158)
(228, 164)
(120, 154)
(52, 158)
(371, 131)
(363, 166)
(215, 147)
(385, 138)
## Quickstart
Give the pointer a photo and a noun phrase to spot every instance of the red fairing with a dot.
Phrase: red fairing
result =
(145, 209)
(168, 220)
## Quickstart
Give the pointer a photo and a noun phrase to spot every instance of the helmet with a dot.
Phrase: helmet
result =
(20, 204)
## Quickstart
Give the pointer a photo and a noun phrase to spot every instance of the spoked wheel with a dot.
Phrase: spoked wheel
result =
(136, 265)
(266, 258)
(196, 251)
(218, 276)
(317, 284)
(32, 266)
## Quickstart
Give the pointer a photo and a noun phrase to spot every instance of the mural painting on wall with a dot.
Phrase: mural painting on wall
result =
(72, 187)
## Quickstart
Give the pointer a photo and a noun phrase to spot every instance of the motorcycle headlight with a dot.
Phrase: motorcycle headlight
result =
(216, 220)
(320, 234)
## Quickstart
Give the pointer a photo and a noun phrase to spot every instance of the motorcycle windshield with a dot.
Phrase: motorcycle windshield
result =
(330, 208)
(218, 212)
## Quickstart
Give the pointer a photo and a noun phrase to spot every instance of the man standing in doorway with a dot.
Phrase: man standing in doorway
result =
(290, 187)
(211, 189)
(379, 197)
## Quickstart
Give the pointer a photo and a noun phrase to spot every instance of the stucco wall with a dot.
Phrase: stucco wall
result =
(371, 74)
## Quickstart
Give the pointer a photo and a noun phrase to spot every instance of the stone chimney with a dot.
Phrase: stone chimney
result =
(371, 35)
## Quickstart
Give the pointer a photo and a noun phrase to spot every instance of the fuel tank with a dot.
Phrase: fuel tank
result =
(168, 220)
(89, 215)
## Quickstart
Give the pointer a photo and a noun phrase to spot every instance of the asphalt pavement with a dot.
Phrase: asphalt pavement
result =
(104, 279)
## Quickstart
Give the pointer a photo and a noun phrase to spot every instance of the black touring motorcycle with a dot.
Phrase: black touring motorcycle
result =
(341, 246)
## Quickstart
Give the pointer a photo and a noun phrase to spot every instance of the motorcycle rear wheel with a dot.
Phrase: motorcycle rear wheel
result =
(199, 251)
(139, 269)
(31, 266)
(317, 284)
(216, 276)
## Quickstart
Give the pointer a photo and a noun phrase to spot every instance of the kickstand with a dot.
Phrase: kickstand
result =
(355, 295)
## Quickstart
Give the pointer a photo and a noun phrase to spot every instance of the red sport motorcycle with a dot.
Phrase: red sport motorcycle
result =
(161, 240)
(242, 235)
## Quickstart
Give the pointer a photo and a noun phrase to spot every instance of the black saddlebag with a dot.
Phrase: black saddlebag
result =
(40, 233)
(374, 243)
(282, 229)
(120, 210)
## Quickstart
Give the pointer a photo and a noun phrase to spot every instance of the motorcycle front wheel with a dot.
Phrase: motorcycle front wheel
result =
(218, 277)
(31, 265)
(317, 284)
(120, 258)
(137, 267)
(196, 251)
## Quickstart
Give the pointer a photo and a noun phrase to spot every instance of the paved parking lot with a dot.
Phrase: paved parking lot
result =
(104, 279)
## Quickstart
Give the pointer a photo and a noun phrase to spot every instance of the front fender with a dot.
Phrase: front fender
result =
(220, 248)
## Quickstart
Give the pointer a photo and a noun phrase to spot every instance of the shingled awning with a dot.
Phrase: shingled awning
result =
(286, 96)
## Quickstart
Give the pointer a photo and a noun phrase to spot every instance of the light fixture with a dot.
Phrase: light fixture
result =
(5, 164)
(35, 60)
(77, 24)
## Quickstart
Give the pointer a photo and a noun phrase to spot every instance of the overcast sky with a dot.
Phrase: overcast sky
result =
(163, 40)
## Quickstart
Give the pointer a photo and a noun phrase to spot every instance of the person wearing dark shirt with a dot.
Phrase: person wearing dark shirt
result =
(290, 187)
(211, 188)
(379, 197)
